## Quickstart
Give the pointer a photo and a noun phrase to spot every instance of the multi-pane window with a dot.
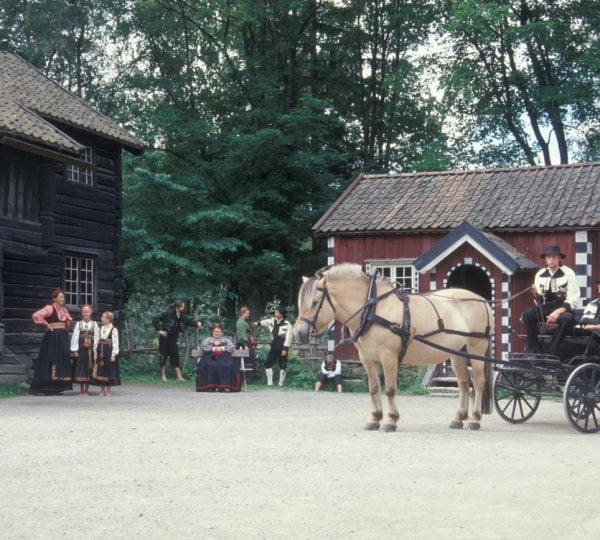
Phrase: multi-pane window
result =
(79, 280)
(82, 175)
(402, 273)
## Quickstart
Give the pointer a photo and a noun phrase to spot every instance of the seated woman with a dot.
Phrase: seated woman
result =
(217, 369)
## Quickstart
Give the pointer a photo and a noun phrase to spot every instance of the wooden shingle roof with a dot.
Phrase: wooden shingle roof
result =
(528, 198)
(28, 99)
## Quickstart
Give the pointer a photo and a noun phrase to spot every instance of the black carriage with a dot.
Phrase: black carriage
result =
(574, 375)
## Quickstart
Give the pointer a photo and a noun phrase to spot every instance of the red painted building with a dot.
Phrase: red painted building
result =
(481, 230)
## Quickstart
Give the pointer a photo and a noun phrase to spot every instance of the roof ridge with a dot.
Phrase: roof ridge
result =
(368, 176)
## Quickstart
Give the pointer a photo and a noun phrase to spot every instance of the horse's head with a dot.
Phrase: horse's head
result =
(315, 309)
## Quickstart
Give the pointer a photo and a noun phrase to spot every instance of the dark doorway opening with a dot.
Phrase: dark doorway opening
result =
(472, 278)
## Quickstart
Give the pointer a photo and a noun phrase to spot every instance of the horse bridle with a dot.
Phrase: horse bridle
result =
(325, 296)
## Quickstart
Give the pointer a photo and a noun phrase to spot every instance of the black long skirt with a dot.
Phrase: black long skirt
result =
(82, 365)
(53, 371)
(105, 372)
(218, 373)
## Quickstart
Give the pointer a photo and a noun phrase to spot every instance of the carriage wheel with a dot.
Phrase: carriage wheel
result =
(582, 398)
(516, 396)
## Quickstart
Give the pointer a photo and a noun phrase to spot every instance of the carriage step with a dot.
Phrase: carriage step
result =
(442, 391)
(449, 382)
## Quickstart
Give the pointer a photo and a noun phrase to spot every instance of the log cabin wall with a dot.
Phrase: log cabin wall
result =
(75, 220)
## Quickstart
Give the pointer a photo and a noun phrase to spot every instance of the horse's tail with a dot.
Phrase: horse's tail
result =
(488, 371)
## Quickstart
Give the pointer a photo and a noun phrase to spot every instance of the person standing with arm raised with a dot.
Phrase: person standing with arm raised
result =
(169, 325)
(282, 332)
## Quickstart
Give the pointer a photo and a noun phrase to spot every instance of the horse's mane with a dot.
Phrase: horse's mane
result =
(345, 271)
(307, 291)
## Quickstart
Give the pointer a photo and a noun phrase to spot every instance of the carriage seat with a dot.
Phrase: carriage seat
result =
(577, 342)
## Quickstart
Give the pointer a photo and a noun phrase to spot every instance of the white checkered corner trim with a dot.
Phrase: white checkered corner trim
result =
(506, 314)
(330, 246)
(583, 264)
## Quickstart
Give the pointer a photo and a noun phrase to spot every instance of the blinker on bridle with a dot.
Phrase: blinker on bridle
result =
(313, 323)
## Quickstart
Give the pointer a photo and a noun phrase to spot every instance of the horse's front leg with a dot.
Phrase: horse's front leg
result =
(390, 372)
(373, 378)
(463, 379)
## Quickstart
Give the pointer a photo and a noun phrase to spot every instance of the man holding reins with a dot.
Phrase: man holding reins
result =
(557, 294)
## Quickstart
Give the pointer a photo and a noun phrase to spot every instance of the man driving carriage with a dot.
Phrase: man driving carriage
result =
(556, 294)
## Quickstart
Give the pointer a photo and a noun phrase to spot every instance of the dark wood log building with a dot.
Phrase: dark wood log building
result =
(481, 230)
(60, 207)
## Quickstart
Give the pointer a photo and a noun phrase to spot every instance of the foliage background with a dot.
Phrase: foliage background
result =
(258, 113)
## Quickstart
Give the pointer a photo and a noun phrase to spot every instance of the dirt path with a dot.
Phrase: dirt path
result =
(157, 462)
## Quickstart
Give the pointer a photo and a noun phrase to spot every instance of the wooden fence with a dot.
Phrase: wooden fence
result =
(136, 339)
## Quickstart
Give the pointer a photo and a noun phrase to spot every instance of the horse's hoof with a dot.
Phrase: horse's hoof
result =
(473, 426)
(456, 424)
(371, 426)
(388, 428)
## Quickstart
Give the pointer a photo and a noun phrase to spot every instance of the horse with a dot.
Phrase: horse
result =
(390, 326)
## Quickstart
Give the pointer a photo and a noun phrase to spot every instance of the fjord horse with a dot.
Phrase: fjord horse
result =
(340, 293)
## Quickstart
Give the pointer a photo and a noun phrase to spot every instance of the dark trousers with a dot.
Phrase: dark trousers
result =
(275, 356)
(322, 378)
(531, 318)
(167, 347)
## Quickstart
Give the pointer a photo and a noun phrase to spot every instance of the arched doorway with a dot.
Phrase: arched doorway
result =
(472, 278)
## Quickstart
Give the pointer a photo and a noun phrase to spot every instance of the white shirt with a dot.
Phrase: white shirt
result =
(105, 331)
(90, 325)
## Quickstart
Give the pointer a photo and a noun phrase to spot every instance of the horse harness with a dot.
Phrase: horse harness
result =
(369, 317)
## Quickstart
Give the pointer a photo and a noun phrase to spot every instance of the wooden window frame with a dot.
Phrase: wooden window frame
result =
(80, 175)
(80, 297)
(392, 265)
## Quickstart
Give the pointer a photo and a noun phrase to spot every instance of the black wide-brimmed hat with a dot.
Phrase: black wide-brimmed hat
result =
(552, 250)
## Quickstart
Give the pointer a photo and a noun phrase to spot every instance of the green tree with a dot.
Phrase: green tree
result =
(523, 74)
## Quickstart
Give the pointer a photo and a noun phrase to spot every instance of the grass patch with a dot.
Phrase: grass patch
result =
(11, 390)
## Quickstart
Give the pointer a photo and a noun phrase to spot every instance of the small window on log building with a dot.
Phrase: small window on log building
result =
(79, 174)
(79, 280)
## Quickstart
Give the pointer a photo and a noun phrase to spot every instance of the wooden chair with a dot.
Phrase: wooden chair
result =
(245, 364)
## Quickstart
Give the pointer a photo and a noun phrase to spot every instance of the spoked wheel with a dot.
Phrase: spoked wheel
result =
(517, 396)
(582, 398)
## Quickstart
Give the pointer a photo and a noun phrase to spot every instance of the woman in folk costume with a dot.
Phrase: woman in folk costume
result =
(217, 369)
(105, 372)
(169, 326)
(84, 345)
(53, 372)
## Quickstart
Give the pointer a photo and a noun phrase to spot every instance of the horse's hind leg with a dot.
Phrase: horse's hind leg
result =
(373, 377)
(478, 370)
(390, 372)
(459, 365)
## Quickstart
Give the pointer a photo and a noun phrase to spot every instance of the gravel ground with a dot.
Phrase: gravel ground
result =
(164, 462)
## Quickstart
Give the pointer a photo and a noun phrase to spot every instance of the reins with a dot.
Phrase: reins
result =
(369, 317)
